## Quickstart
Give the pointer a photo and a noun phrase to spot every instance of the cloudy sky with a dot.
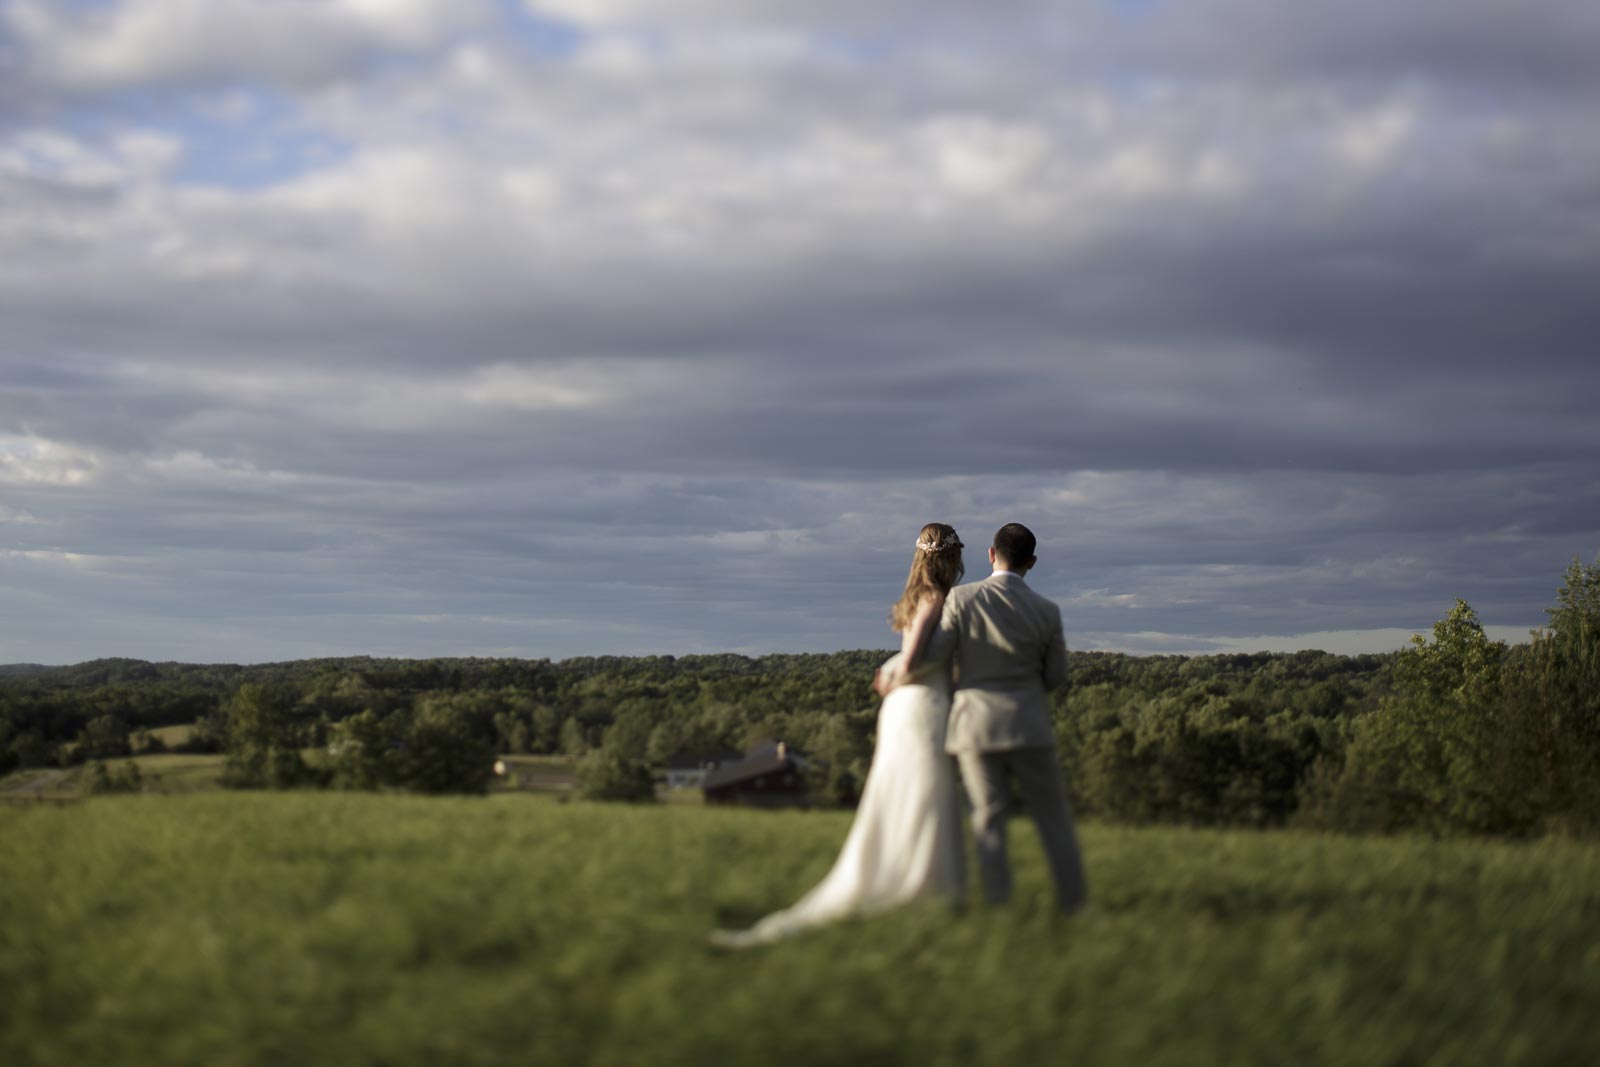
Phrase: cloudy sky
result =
(450, 327)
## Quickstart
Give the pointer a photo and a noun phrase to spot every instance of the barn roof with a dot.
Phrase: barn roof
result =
(764, 760)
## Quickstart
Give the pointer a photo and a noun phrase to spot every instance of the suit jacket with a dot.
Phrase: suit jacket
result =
(1006, 645)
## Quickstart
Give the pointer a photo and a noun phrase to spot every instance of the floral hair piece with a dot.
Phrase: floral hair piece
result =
(940, 546)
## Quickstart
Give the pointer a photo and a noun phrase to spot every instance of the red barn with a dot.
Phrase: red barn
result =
(770, 776)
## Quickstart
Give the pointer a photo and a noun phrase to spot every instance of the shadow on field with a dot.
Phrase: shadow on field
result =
(1241, 902)
(741, 916)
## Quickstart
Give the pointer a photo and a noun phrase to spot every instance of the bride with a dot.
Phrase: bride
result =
(906, 838)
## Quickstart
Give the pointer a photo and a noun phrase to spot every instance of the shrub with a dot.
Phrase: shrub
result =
(105, 737)
(609, 775)
(148, 743)
(263, 742)
(125, 779)
(1430, 756)
(442, 754)
(33, 750)
(1479, 738)
(1552, 703)
(1194, 757)
(429, 750)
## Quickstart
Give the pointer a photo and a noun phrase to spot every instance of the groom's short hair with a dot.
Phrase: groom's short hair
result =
(1014, 543)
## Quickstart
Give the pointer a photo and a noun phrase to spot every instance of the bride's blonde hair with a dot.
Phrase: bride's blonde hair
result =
(935, 567)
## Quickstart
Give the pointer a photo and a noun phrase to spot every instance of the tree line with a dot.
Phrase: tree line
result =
(1457, 733)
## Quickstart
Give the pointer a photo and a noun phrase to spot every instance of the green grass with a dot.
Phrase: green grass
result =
(164, 773)
(542, 774)
(180, 772)
(173, 736)
(345, 929)
(16, 778)
(176, 772)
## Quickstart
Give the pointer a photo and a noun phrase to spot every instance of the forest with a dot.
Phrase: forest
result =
(1456, 734)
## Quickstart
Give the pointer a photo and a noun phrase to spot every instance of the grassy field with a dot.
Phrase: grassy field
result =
(177, 772)
(173, 736)
(348, 929)
(174, 772)
(540, 774)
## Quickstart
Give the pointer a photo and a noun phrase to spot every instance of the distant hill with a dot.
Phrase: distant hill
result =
(447, 673)
(21, 670)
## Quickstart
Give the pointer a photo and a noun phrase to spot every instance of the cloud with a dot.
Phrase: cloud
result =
(1335, 642)
(144, 43)
(30, 460)
(407, 329)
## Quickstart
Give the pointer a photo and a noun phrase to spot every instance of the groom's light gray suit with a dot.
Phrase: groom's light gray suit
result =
(1006, 645)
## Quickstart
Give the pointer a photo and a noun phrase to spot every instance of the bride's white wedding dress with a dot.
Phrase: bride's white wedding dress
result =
(906, 839)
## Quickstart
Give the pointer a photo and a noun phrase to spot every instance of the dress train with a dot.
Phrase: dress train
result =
(906, 839)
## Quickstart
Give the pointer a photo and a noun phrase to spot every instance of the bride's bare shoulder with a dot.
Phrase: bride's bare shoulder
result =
(931, 603)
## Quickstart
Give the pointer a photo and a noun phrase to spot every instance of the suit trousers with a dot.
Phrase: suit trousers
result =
(987, 777)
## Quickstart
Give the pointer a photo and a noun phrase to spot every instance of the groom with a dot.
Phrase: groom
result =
(1007, 647)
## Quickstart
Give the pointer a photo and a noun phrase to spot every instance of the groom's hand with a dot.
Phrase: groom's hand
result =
(883, 681)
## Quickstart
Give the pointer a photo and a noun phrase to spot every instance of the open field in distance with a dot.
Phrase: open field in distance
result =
(177, 772)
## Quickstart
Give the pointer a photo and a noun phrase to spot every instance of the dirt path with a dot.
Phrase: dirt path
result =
(39, 783)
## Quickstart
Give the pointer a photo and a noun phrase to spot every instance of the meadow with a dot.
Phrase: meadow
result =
(185, 772)
(300, 928)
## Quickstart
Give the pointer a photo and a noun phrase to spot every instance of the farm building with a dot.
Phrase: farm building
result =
(688, 770)
(769, 776)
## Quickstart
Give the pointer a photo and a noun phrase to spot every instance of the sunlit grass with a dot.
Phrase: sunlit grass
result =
(173, 736)
(162, 773)
(177, 772)
(345, 929)
(547, 774)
